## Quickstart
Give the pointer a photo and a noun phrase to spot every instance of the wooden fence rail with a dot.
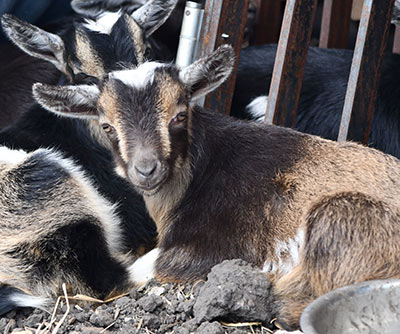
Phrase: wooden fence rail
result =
(225, 21)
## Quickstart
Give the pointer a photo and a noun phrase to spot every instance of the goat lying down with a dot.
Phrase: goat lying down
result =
(84, 52)
(55, 228)
(313, 213)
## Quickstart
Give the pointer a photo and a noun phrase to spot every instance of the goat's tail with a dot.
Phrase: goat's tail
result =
(11, 298)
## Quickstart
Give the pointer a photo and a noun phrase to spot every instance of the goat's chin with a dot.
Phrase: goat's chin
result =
(149, 191)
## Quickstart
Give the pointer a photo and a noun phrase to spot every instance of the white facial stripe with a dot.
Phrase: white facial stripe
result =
(138, 77)
(143, 268)
(257, 108)
(104, 22)
(9, 156)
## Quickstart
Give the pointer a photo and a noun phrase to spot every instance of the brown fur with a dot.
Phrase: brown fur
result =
(90, 62)
(136, 35)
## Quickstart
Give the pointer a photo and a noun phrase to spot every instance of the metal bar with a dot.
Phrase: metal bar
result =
(290, 60)
(335, 24)
(268, 22)
(365, 70)
(396, 40)
(190, 30)
(230, 31)
(209, 29)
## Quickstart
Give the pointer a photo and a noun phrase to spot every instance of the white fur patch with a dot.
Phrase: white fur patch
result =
(143, 269)
(138, 77)
(10, 156)
(120, 171)
(291, 251)
(105, 211)
(257, 108)
(103, 23)
(24, 300)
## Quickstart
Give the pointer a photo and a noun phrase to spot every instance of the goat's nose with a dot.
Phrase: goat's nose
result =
(146, 169)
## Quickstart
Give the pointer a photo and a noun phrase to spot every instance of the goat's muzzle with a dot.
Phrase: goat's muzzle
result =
(147, 174)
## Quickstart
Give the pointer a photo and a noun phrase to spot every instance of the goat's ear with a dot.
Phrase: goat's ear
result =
(35, 41)
(71, 101)
(93, 8)
(208, 73)
(396, 13)
(153, 14)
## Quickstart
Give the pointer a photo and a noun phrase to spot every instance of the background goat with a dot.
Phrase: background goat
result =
(86, 49)
(19, 70)
(55, 228)
(322, 94)
(313, 213)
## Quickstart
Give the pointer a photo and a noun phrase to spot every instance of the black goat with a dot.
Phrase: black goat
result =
(322, 94)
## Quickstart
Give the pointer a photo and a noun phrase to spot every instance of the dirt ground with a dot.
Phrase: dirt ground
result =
(234, 300)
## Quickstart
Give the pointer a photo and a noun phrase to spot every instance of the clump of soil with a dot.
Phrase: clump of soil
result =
(234, 300)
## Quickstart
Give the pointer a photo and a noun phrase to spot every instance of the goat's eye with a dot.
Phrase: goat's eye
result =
(85, 78)
(181, 117)
(107, 128)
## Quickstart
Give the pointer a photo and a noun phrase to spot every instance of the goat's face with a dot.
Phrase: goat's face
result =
(145, 113)
(92, 46)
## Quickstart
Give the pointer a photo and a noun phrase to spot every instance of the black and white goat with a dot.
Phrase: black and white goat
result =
(322, 94)
(81, 45)
(55, 228)
(313, 213)
(92, 47)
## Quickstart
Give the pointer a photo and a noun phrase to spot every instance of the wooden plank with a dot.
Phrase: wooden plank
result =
(268, 22)
(230, 28)
(365, 70)
(290, 60)
(335, 24)
(209, 29)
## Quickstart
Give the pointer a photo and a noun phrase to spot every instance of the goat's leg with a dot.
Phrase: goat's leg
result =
(350, 237)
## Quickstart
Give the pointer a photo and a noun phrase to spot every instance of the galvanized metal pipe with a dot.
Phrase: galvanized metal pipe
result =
(190, 32)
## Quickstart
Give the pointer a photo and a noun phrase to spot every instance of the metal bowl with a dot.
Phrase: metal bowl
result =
(369, 307)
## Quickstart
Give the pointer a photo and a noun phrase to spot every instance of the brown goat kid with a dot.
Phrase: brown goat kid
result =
(314, 214)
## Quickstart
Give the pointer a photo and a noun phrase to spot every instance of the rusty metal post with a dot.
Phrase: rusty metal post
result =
(290, 60)
(335, 24)
(224, 22)
(268, 22)
(209, 29)
(365, 70)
